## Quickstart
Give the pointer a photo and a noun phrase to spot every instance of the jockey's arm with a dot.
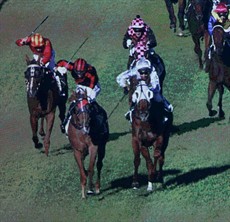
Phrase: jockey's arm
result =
(47, 53)
(152, 38)
(125, 39)
(23, 41)
(66, 64)
(123, 78)
(155, 83)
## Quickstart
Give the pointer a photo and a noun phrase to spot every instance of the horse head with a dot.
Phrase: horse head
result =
(218, 40)
(198, 7)
(34, 76)
(81, 111)
(141, 97)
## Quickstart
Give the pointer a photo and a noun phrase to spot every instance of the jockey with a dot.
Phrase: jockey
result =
(42, 50)
(143, 70)
(84, 74)
(219, 16)
(138, 36)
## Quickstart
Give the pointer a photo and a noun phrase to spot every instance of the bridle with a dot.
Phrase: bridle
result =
(81, 113)
(142, 96)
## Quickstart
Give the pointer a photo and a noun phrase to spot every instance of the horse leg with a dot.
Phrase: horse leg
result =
(159, 159)
(197, 50)
(149, 166)
(211, 91)
(137, 161)
(41, 131)
(34, 127)
(100, 157)
(92, 158)
(83, 177)
(49, 126)
(172, 17)
(180, 15)
(221, 92)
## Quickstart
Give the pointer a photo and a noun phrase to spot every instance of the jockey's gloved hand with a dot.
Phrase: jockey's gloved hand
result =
(128, 43)
(60, 70)
(126, 91)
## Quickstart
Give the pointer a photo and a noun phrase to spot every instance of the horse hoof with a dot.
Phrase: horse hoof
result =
(90, 192)
(38, 145)
(42, 134)
(212, 112)
(135, 185)
(221, 115)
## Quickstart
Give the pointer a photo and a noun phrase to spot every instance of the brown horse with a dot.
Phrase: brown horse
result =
(219, 72)
(42, 96)
(149, 129)
(180, 15)
(85, 141)
(197, 16)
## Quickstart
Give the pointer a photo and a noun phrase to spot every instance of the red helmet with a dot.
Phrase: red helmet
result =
(80, 67)
(221, 8)
(37, 40)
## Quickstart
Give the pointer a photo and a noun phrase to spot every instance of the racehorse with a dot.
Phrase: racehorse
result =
(180, 15)
(42, 99)
(219, 72)
(149, 129)
(88, 134)
(197, 16)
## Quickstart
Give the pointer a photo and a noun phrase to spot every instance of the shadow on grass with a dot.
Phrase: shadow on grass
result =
(194, 125)
(2, 3)
(195, 175)
(63, 150)
(181, 180)
(126, 182)
(115, 136)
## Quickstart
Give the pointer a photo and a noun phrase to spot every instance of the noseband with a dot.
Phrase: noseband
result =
(82, 118)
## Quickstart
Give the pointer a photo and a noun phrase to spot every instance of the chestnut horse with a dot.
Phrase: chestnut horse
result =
(149, 129)
(42, 98)
(219, 72)
(197, 16)
(88, 134)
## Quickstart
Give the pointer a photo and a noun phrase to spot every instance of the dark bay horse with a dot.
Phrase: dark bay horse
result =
(219, 72)
(42, 99)
(88, 134)
(180, 15)
(197, 16)
(149, 129)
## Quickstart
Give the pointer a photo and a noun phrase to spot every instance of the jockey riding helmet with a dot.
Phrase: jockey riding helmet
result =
(37, 41)
(138, 24)
(79, 68)
(221, 8)
(143, 66)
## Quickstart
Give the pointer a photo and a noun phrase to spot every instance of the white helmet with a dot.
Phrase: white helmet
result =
(143, 64)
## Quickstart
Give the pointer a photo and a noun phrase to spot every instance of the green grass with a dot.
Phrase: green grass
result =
(36, 188)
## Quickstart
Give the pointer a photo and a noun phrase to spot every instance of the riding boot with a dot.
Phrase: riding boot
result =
(167, 106)
(69, 113)
(129, 113)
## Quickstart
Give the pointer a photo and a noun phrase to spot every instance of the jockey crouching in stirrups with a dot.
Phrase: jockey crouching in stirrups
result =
(143, 70)
(84, 75)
